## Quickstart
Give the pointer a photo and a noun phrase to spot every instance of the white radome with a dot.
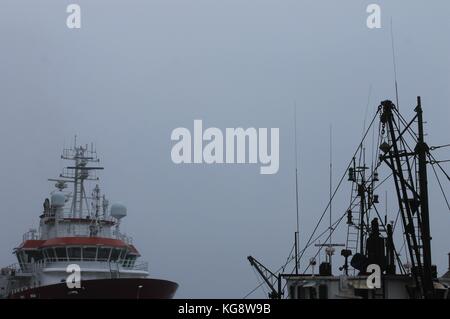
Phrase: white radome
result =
(118, 210)
(58, 199)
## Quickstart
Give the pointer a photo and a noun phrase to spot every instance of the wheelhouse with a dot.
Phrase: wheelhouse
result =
(76, 250)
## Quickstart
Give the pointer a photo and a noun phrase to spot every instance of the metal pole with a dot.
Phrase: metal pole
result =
(421, 150)
(361, 222)
(296, 253)
(330, 189)
(296, 192)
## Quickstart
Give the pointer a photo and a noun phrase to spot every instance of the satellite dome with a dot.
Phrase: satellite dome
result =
(58, 199)
(118, 210)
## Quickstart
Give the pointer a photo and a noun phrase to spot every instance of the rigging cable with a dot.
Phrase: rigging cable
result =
(440, 185)
(339, 184)
(432, 148)
(440, 167)
(394, 64)
(336, 223)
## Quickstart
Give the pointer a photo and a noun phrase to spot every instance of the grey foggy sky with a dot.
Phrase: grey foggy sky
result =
(138, 69)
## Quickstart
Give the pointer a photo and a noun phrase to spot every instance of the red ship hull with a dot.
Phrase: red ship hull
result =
(120, 288)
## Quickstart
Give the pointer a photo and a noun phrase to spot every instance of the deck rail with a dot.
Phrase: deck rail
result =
(29, 268)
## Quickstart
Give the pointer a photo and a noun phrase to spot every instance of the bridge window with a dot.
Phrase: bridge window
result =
(123, 254)
(292, 292)
(74, 253)
(61, 253)
(323, 292)
(19, 257)
(301, 293)
(312, 293)
(115, 254)
(129, 261)
(50, 253)
(103, 253)
(34, 255)
(89, 253)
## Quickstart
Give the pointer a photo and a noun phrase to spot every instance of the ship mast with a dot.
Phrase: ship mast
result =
(422, 150)
(410, 175)
(79, 173)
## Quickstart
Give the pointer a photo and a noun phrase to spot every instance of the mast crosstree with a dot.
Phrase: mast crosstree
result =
(78, 174)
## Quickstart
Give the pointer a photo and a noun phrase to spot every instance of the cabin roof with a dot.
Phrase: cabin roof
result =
(77, 241)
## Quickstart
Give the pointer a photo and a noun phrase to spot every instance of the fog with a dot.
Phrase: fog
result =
(136, 70)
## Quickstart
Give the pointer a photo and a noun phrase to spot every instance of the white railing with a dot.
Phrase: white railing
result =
(32, 234)
(125, 238)
(29, 268)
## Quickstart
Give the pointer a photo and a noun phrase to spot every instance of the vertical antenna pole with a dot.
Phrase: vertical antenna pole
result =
(296, 252)
(330, 247)
(296, 190)
(385, 207)
(394, 65)
(331, 182)
(361, 216)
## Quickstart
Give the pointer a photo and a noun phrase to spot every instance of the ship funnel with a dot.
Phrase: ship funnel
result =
(118, 210)
(58, 199)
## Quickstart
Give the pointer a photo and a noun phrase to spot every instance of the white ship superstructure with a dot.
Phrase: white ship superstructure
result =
(77, 228)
